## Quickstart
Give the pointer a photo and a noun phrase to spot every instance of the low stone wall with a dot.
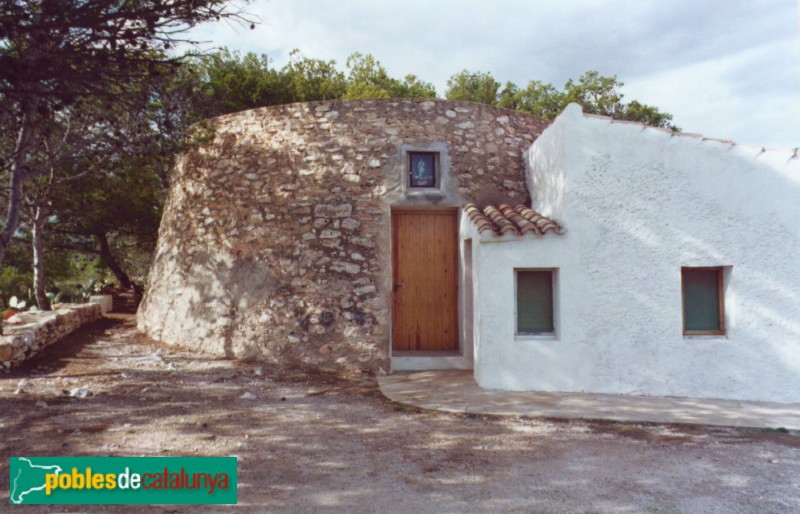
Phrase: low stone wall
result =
(27, 333)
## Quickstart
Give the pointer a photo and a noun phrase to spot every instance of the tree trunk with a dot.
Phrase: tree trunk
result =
(15, 180)
(38, 262)
(109, 260)
(15, 183)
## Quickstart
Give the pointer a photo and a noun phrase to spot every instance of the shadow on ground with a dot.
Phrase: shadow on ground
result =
(319, 442)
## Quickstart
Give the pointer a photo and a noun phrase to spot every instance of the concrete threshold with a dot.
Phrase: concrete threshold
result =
(456, 391)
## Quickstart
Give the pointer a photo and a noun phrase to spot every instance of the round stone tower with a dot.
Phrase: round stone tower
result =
(276, 238)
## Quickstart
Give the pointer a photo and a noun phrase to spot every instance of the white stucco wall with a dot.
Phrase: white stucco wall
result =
(637, 204)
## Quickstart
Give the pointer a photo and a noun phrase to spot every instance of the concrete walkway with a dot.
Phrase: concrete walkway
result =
(456, 391)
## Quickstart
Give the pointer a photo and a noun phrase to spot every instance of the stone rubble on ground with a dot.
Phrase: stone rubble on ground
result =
(21, 386)
(80, 392)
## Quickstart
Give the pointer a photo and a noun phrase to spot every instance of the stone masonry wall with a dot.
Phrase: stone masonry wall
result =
(27, 333)
(275, 241)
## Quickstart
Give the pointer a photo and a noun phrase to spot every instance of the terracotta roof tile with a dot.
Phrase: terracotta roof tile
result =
(505, 219)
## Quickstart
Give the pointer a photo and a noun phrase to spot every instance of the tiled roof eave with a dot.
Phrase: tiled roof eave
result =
(499, 221)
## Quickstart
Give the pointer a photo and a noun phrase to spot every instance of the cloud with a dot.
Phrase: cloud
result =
(749, 96)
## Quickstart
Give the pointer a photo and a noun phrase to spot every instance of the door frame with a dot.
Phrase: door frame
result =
(448, 359)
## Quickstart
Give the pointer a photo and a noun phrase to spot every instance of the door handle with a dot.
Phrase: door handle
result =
(397, 287)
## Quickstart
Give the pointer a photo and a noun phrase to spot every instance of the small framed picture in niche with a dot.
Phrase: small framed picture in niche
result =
(422, 169)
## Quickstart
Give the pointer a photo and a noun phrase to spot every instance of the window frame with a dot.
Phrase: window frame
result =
(720, 271)
(553, 296)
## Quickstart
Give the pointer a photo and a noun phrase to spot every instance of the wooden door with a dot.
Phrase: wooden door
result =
(425, 266)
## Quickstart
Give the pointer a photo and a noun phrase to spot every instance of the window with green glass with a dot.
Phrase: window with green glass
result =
(535, 302)
(703, 311)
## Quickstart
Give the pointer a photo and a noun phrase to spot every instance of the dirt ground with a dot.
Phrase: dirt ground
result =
(324, 443)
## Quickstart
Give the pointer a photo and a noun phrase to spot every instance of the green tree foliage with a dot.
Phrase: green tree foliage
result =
(508, 96)
(113, 215)
(313, 79)
(412, 87)
(55, 53)
(478, 87)
(71, 73)
(229, 82)
(601, 95)
(540, 99)
(647, 114)
(107, 188)
(226, 81)
(368, 79)
(596, 94)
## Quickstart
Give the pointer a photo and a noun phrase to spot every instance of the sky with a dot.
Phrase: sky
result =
(727, 69)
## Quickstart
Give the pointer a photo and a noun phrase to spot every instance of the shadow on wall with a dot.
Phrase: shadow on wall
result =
(548, 181)
(213, 293)
(246, 285)
(252, 265)
(645, 218)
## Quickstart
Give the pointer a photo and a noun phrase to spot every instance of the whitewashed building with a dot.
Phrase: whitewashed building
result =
(672, 268)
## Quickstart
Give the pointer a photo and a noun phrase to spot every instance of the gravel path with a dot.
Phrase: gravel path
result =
(322, 443)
